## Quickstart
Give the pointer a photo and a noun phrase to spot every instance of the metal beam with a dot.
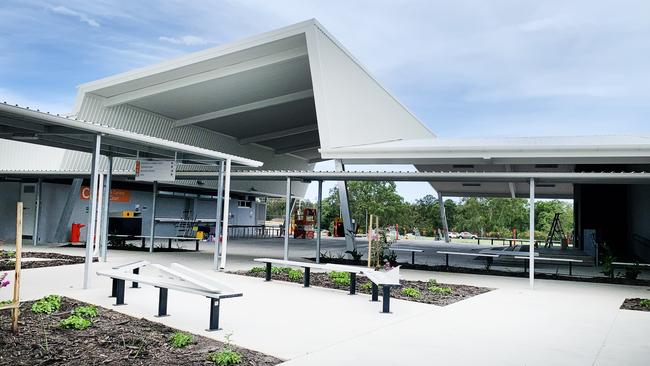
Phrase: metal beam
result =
(278, 134)
(293, 149)
(287, 219)
(226, 214)
(531, 235)
(39, 194)
(318, 218)
(443, 217)
(511, 186)
(345, 208)
(66, 213)
(217, 227)
(93, 211)
(245, 107)
(205, 76)
(106, 208)
(152, 233)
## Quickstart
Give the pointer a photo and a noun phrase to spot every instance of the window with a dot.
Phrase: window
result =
(244, 204)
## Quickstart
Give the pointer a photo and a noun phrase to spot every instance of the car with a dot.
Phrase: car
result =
(467, 235)
(453, 235)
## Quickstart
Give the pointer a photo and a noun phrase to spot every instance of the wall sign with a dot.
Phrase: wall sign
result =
(155, 170)
(117, 195)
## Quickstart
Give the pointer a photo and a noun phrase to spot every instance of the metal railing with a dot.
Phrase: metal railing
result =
(254, 231)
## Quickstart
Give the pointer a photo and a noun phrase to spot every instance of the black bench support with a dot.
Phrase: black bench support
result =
(162, 302)
(143, 243)
(135, 271)
(353, 283)
(114, 288)
(119, 291)
(268, 271)
(214, 314)
(305, 280)
(412, 257)
(375, 292)
(386, 299)
(447, 260)
(570, 268)
(197, 245)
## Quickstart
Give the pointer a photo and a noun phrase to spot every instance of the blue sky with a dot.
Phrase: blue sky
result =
(465, 68)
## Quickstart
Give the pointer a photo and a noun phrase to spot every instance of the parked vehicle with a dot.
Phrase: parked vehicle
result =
(453, 235)
(467, 235)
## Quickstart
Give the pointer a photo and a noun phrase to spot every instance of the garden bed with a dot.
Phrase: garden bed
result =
(636, 304)
(421, 294)
(113, 338)
(42, 259)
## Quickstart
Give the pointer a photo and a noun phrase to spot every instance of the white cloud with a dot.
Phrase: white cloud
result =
(73, 13)
(185, 40)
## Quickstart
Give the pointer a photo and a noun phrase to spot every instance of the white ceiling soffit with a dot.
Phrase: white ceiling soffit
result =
(299, 64)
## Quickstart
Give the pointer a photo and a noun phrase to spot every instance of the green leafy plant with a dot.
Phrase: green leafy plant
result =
(432, 283)
(227, 356)
(75, 322)
(631, 273)
(645, 303)
(367, 286)
(412, 292)
(356, 255)
(340, 278)
(6, 302)
(86, 312)
(608, 268)
(180, 339)
(295, 274)
(258, 270)
(440, 290)
(278, 270)
(47, 305)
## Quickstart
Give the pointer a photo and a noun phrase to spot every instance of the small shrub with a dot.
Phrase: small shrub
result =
(75, 322)
(6, 302)
(432, 283)
(411, 292)
(258, 270)
(295, 275)
(47, 305)
(11, 254)
(180, 339)
(366, 286)
(356, 255)
(86, 312)
(225, 357)
(278, 270)
(631, 273)
(645, 303)
(440, 290)
(339, 278)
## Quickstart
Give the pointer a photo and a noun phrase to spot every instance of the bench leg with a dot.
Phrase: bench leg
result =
(119, 294)
(214, 314)
(447, 260)
(162, 302)
(375, 292)
(305, 279)
(143, 243)
(412, 257)
(268, 271)
(197, 246)
(353, 283)
(113, 287)
(135, 271)
(169, 243)
(386, 299)
(570, 269)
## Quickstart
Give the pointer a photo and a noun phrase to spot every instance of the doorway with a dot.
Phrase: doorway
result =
(29, 197)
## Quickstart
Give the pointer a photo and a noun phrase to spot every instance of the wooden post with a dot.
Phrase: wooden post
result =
(19, 246)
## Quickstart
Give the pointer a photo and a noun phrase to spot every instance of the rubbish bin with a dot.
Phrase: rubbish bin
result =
(75, 232)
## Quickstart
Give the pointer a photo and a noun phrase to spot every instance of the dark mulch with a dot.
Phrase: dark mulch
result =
(114, 338)
(459, 292)
(634, 304)
(54, 259)
(618, 280)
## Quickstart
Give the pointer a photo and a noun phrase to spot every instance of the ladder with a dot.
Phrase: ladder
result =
(556, 228)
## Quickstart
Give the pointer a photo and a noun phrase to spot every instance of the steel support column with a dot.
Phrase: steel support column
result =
(217, 226)
(531, 236)
(39, 189)
(106, 208)
(152, 233)
(345, 208)
(287, 219)
(226, 214)
(92, 217)
(443, 216)
(318, 218)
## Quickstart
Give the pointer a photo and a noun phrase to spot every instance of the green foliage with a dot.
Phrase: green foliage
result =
(631, 273)
(225, 357)
(645, 303)
(11, 254)
(608, 268)
(440, 290)
(295, 274)
(180, 339)
(432, 283)
(6, 302)
(257, 270)
(278, 270)
(412, 292)
(86, 312)
(367, 286)
(75, 322)
(356, 255)
(47, 305)
(340, 278)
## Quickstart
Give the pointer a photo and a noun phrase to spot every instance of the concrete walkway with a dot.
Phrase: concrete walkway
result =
(558, 323)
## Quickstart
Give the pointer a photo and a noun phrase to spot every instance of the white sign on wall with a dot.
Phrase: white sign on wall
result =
(155, 170)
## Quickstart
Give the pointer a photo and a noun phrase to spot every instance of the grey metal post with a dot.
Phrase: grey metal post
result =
(106, 208)
(318, 218)
(152, 234)
(531, 236)
(443, 216)
(226, 213)
(39, 188)
(287, 219)
(345, 208)
(93, 210)
(217, 227)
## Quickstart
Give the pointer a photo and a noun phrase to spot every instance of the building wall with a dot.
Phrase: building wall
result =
(8, 198)
(639, 221)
